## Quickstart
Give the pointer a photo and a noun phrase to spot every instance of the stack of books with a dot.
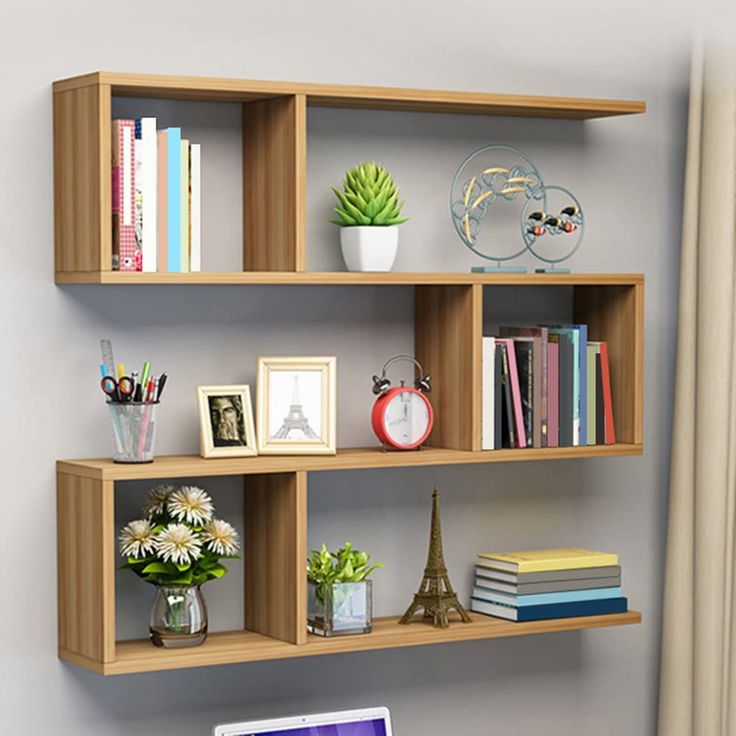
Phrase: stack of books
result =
(533, 585)
(156, 198)
(546, 387)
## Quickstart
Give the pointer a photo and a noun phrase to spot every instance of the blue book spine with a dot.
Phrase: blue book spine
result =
(569, 610)
(174, 199)
(582, 331)
(540, 599)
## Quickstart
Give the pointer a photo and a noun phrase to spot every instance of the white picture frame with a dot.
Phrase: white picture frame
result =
(296, 405)
(236, 436)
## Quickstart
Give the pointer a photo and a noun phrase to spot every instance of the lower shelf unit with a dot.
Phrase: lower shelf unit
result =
(233, 647)
(274, 553)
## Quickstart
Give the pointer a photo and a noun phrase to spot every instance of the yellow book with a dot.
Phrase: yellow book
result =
(542, 560)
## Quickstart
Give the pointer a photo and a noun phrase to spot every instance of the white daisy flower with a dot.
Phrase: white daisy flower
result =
(178, 543)
(190, 504)
(137, 539)
(220, 537)
(155, 504)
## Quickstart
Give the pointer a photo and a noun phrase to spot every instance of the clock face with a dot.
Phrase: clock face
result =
(406, 418)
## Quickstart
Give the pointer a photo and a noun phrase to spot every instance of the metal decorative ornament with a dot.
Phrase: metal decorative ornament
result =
(547, 212)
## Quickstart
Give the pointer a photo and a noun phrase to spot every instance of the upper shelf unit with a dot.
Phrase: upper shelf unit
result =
(274, 163)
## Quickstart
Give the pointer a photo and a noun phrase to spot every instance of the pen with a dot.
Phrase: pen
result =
(136, 387)
(150, 390)
(121, 370)
(161, 384)
(103, 371)
(145, 374)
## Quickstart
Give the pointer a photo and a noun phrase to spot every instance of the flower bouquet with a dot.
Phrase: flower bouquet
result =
(177, 547)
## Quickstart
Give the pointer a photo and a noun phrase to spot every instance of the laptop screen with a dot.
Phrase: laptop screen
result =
(373, 727)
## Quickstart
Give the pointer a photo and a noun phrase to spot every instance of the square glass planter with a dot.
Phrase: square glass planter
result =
(340, 608)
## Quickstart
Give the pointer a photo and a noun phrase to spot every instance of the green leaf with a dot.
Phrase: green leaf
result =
(158, 567)
(183, 579)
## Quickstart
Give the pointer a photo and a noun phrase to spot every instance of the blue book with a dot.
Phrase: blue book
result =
(174, 199)
(540, 599)
(578, 335)
(550, 610)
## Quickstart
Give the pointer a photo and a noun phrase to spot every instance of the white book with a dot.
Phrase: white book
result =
(146, 192)
(488, 379)
(195, 215)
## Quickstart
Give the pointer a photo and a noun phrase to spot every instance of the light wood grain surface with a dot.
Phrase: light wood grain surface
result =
(333, 95)
(275, 555)
(243, 646)
(86, 566)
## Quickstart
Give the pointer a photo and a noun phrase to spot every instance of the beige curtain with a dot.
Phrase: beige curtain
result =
(698, 680)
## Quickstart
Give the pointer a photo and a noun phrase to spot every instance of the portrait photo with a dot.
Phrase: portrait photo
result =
(226, 421)
(296, 405)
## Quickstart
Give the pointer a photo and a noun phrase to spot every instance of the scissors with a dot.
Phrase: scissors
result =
(118, 391)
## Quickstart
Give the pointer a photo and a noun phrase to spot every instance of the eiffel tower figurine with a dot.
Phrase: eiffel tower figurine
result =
(295, 420)
(435, 594)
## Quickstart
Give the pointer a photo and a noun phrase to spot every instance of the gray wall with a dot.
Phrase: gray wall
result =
(626, 171)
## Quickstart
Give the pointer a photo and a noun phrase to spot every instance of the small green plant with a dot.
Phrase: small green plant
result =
(369, 197)
(346, 565)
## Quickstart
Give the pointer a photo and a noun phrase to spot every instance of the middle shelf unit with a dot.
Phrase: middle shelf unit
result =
(450, 321)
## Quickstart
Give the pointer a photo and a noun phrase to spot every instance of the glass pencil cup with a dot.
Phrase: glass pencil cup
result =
(134, 427)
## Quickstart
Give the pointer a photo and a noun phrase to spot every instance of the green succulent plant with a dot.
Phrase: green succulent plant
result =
(345, 565)
(369, 196)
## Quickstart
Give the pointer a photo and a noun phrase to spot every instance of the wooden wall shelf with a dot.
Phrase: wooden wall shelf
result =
(448, 332)
(193, 466)
(233, 647)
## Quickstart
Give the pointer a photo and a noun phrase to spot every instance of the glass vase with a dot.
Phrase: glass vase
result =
(340, 608)
(178, 617)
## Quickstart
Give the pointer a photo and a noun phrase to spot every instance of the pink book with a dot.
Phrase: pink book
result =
(515, 392)
(553, 394)
(124, 243)
(162, 218)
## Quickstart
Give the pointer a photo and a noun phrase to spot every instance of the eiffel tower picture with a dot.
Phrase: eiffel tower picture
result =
(295, 420)
(435, 594)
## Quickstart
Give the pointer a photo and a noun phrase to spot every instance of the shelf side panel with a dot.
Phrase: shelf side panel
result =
(82, 180)
(86, 567)
(275, 555)
(615, 314)
(448, 332)
(274, 184)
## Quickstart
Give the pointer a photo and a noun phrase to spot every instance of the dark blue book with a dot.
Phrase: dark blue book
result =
(550, 610)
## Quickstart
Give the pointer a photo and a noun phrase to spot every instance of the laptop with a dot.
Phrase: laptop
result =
(363, 722)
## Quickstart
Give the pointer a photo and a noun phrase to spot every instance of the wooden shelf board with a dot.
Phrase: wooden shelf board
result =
(187, 466)
(234, 647)
(326, 278)
(350, 96)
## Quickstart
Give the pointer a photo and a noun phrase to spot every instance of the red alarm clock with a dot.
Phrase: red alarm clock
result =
(402, 417)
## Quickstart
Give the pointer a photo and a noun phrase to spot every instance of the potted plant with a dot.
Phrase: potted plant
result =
(368, 212)
(340, 593)
(177, 547)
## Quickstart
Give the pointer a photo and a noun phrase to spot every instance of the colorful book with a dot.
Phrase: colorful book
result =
(483, 569)
(488, 393)
(524, 347)
(195, 215)
(508, 433)
(540, 560)
(498, 397)
(541, 387)
(184, 204)
(541, 599)
(162, 223)
(607, 398)
(146, 191)
(520, 434)
(124, 243)
(567, 395)
(553, 394)
(590, 353)
(552, 610)
(547, 587)
(600, 419)
(174, 199)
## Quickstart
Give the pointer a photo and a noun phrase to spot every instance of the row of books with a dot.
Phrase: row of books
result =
(534, 585)
(156, 198)
(546, 387)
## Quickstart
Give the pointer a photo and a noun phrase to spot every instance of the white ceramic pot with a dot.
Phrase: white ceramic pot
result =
(369, 247)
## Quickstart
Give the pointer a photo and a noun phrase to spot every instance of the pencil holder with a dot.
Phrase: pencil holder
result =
(134, 427)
